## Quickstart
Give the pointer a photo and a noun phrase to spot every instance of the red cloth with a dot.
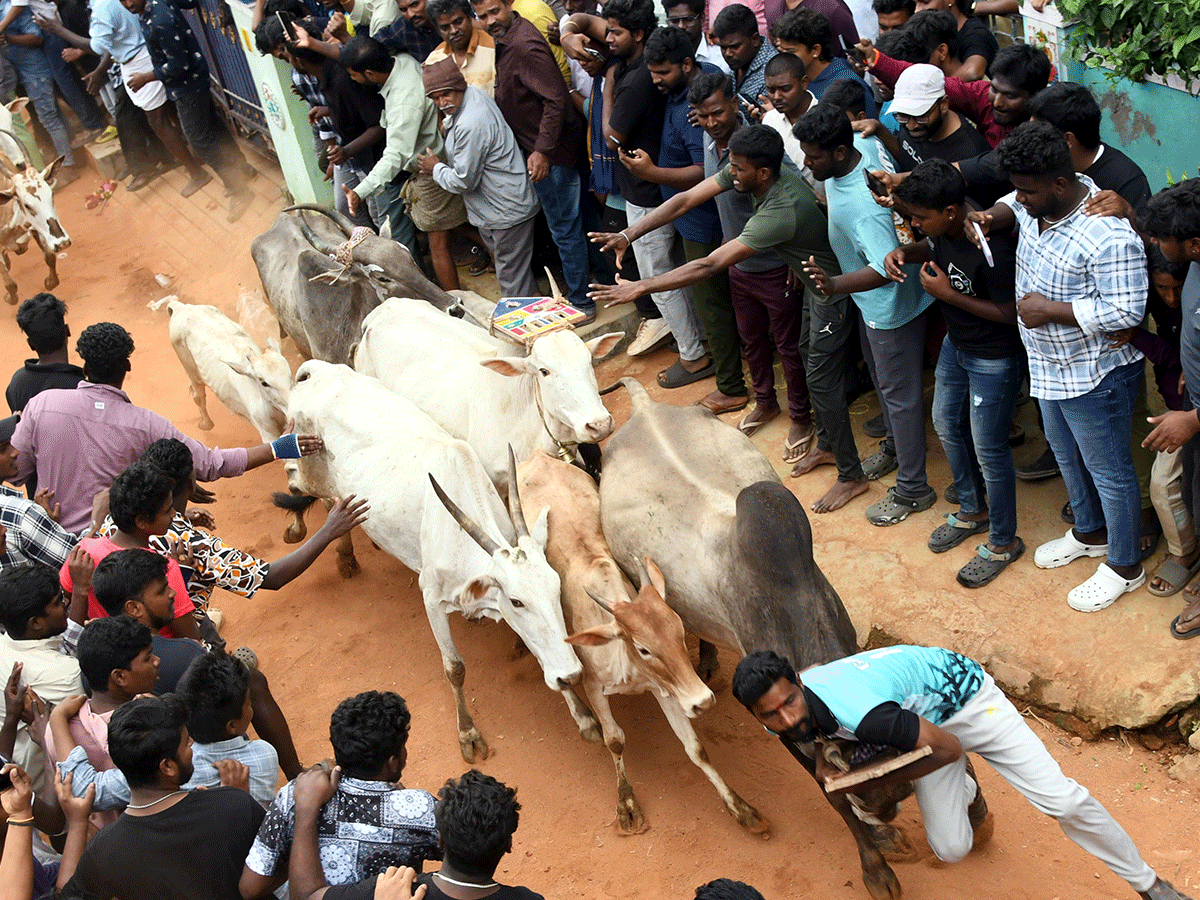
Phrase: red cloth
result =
(98, 548)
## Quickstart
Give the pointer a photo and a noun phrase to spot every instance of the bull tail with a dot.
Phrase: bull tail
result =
(297, 503)
(638, 395)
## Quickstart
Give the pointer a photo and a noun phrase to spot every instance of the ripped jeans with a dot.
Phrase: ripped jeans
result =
(973, 405)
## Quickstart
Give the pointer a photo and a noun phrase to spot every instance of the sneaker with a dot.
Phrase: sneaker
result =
(1163, 890)
(238, 204)
(1045, 466)
(651, 335)
(874, 427)
(194, 184)
(880, 463)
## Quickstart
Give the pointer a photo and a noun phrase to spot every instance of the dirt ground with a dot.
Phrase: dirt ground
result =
(322, 639)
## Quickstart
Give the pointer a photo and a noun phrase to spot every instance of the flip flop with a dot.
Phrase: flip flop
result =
(677, 376)
(1176, 575)
(749, 424)
(794, 452)
(987, 564)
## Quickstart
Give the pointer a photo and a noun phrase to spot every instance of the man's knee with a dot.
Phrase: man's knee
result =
(951, 849)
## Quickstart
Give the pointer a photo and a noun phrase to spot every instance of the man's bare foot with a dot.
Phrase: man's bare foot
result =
(1159, 584)
(813, 458)
(695, 365)
(840, 494)
(800, 437)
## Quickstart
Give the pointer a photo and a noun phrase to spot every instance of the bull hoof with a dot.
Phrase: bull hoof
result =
(348, 567)
(295, 533)
(473, 745)
(882, 884)
(10, 299)
(591, 732)
(206, 425)
(50, 282)
(983, 833)
(892, 843)
(630, 820)
(749, 817)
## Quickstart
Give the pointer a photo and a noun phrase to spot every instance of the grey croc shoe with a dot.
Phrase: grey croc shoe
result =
(894, 508)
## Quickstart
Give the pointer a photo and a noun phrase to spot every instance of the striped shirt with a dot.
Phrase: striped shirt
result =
(1097, 264)
(32, 536)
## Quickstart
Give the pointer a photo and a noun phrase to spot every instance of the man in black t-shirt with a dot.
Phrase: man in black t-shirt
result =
(43, 319)
(476, 818)
(977, 46)
(980, 366)
(168, 842)
(929, 128)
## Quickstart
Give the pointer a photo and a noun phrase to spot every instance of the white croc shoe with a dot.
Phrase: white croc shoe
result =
(1065, 549)
(1102, 590)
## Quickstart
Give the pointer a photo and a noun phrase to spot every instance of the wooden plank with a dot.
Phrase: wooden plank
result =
(869, 773)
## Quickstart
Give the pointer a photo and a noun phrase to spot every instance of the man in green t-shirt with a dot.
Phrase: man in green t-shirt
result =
(787, 221)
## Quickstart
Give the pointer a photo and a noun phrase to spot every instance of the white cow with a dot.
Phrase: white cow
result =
(628, 643)
(476, 388)
(26, 206)
(473, 557)
(218, 353)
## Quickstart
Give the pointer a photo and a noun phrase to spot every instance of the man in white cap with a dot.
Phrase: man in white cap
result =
(929, 128)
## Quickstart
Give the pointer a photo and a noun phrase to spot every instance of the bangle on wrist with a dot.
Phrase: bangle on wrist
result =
(628, 241)
(28, 821)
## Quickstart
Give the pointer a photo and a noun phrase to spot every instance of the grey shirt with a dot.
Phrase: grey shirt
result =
(736, 208)
(485, 165)
(1189, 334)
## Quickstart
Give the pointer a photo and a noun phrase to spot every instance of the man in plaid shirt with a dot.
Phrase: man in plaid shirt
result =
(1080, 279)
(27, 532)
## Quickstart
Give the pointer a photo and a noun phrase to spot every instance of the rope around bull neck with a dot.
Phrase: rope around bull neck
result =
(565, 453)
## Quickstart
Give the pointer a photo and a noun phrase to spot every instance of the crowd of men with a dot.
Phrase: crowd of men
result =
(786, 176)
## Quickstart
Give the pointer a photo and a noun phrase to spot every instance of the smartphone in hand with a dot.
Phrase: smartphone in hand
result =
(875, 183)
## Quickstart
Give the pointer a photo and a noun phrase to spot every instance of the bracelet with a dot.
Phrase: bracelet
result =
(28, 821)
(628, 242)
(575, 30)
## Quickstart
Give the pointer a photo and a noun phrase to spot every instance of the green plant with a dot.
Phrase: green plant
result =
(1171, 182)
(1136, 38)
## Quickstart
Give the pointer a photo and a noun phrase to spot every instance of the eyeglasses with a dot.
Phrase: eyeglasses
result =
(924, 118)
(681, 21)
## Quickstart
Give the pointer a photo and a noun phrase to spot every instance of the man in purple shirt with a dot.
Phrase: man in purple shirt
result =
(79, 440)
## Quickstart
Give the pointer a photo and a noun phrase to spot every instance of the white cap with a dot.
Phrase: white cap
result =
(917, 89)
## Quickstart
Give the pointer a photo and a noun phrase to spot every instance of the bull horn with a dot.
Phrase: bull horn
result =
(8, 163)
(342, 221)
(477, 534)
(24, 149)
(600, 601)
(642, 574)
(515, 512)
(322, 245)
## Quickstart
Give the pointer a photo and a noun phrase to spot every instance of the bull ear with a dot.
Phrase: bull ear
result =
(605, 344)
(656, 578)
(509, 366)
(241, 368)
(17, 105)
(273, 344)
(475, 589)
(7, 194)
(541, 528)
(49, 172)
(597, 636)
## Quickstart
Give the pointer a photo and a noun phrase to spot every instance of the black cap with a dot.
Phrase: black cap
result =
(7, 427)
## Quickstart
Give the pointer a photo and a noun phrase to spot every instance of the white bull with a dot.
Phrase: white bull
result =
(218, 353)
(26, 206)
(474, 557)
(628, 643)
(471, 384)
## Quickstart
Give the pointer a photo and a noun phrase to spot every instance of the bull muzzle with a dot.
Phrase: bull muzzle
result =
(59, 239)
(599, 429)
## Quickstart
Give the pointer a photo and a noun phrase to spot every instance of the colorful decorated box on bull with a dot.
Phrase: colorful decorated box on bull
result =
(526, 318)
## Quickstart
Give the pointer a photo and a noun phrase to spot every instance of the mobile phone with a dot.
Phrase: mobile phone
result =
(5, 778)
(983, 245)
(595, 54)
(852, 51)
(875, 183)
(287, 32)
(750, 104)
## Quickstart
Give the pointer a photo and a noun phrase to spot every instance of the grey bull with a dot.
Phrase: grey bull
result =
(735, 548)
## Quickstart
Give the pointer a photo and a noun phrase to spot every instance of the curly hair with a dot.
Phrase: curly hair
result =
(706, 84)
(934, 184)
(1037, 149)
(105, 349)
(1024, 66)
(476, 817)
(1174, 212)
(172, 457)
(366, 729)
(826, 126)
(139, 491)
(804, 26)
(727, 889)
(43, 319)
(26, 589)
(632, 15)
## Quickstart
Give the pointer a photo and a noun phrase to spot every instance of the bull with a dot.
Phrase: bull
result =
(473, 556)
(28, 211)
(735, 546)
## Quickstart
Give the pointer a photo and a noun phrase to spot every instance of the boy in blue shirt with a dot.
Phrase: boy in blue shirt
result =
(907, 698)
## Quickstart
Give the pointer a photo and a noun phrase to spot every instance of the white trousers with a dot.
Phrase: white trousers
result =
(653, 253)
(990, 726)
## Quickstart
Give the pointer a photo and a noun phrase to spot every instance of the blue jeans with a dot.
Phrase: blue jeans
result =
(559, 194)
(1090, 437)
(973, 405)
(34, 72)
(77, 98)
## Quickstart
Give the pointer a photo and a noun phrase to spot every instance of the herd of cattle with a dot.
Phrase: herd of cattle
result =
(458, 439)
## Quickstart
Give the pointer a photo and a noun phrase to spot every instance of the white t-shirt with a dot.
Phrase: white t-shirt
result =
(44, 8)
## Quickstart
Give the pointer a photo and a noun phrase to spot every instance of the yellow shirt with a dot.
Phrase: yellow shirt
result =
(543, 18)
(478, 65)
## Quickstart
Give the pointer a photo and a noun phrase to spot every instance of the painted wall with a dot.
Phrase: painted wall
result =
(287, 116)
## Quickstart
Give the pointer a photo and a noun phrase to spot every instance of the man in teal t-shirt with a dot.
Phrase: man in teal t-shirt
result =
(892, 314)
(906, 698)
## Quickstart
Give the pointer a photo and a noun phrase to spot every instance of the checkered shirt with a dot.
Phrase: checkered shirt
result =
(1098, 265)
(33, 536)
(309, 89)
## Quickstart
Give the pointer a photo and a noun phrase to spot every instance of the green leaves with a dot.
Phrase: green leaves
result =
(1137, 38)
